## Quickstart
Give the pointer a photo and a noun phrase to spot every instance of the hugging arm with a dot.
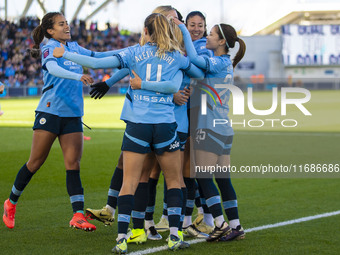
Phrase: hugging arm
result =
(166, 87)
(95, 63)
(199, 61)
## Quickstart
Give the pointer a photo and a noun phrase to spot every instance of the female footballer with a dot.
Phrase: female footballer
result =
(58, 114)
(212, 145)
(149, 117)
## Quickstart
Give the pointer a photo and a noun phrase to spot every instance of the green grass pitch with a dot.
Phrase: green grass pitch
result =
(44, 210)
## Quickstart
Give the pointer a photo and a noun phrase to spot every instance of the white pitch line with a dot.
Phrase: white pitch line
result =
(289, 222)
(279, 224)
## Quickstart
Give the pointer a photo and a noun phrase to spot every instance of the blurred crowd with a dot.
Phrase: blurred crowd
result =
(18, 68)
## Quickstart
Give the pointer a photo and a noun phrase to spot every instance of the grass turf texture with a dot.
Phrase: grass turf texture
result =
(44, 210)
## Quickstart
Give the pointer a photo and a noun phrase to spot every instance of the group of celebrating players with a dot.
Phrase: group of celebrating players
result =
(157, 137)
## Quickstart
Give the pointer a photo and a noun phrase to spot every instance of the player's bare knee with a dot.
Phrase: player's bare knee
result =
(128, 188)
(34, 166)
(72, 165)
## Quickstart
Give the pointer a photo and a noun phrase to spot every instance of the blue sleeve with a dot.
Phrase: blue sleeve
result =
(84, 51)
(190, 48)
(125, 56)
(105, 53)
(116, 77)
(54, 69)
(47, 55)
(200, 46)
(95, 63)
(167, 87)
(194, 72)
(217, 64)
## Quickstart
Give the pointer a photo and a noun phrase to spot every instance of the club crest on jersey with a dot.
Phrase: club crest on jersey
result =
(46, 53)
(42, 121)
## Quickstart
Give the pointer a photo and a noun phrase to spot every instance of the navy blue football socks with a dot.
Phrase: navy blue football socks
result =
(75, 190)
(141, 202)
(22, 179)
(115, 186)
(125, 205)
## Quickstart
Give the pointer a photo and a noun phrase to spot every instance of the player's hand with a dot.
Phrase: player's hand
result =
(2, 88)
(99, 90)
(87, 79)
(188, 91)
(58, 52)
(136, 82)
(180, 98)
(177, 21)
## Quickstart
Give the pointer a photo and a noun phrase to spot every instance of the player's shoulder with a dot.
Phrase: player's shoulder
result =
(51, 43)
(48, 48)
(180, 55)
(148, 46)
(131, 49)
(135, 46)
(223, 58)
(225, 63)
(226, 59)
(200, 42)
(73, 45)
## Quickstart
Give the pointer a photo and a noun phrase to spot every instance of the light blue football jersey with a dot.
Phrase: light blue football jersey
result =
(62, 97)
(145, 106)
(219, 71)
(201, 49)
(181, 114)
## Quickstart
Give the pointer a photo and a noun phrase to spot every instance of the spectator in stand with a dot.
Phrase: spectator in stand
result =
(20, 69)
(2, 88)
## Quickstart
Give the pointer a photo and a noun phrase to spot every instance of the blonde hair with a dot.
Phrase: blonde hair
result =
(177, 33)
(164, 9)
(161, 33)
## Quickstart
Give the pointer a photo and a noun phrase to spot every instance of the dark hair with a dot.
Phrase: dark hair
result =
(200, 14)
(41, 31)
(180, 17)
(231, 37)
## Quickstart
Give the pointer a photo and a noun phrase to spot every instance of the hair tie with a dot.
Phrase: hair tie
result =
(226, 42)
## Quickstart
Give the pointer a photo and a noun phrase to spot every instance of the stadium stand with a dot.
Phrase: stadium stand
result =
(18, 69)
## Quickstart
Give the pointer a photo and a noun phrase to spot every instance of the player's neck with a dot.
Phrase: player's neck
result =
(61, 41)
(219, 51)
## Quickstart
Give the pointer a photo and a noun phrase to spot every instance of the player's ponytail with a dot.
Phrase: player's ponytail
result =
(161, 34)
(240, 53)
(41, 31)
(38, 37)
(229, 34)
